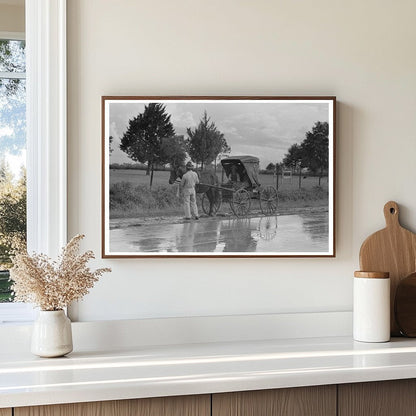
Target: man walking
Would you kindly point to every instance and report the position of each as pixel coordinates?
(188, 182)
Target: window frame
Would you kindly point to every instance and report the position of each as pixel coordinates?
(46, 125)
(12, 36)
(14, 312)
(46, 137)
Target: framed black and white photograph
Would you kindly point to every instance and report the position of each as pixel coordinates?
(218, 176)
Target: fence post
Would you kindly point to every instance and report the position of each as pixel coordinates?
(277, 176)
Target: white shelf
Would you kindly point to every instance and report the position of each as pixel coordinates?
(150, 371)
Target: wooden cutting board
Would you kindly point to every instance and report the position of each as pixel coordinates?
(393, 250)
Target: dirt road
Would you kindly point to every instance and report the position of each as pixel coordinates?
(304, 232)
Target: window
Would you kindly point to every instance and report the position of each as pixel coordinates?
(12, 154)
(12, 165)
(45, 134)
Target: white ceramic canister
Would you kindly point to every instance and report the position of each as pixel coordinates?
(371, 322)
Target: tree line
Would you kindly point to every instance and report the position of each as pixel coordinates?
(151, 139)
(311, 153)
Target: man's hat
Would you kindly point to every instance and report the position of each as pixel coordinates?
(189, 165)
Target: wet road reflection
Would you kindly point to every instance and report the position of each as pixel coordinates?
(287, 233)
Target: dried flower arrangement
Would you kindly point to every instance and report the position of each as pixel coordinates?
(53, 285)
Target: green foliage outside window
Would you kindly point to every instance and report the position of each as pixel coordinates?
(12, 145)
(12, 223)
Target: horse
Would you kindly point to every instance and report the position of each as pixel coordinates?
(208, 181)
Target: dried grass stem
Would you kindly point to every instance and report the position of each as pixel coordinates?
(53, 285)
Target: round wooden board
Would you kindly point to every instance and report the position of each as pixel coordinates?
(405, 306)
(393, 250)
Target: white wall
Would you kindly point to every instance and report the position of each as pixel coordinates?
(361, 51)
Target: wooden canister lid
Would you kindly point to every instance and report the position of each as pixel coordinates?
(372, 275)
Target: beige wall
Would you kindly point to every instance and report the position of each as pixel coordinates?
(361, 51)
(12, 18)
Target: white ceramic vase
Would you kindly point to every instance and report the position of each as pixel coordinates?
(52, 334)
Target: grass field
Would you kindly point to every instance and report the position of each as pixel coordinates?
(138, 177)
(131, 197)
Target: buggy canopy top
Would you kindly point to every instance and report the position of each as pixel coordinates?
(248, 165)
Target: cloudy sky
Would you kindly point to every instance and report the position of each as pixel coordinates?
(265, 130)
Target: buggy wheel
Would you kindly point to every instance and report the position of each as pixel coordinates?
(206, 205)
(240, 203)
(268, 200)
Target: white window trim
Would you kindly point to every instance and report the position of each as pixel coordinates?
(46, 125)
(46, 133)
(13, 75)
(12, 35)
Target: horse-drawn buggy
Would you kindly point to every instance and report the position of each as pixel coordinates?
(239, 186)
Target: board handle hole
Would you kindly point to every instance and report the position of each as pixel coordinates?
(392, 211)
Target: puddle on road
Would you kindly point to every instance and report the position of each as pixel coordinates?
(304, 233)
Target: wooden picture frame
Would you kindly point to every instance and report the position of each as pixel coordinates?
(265, 166)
